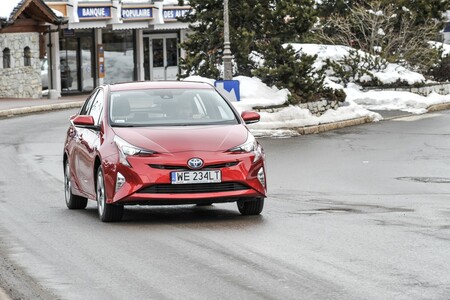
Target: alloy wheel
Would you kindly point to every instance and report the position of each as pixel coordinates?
(67, 184)
(101, 199)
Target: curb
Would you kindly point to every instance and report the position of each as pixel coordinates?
(438, 107)
(40, 108)
(331, 126)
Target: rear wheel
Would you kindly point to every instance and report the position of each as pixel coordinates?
(72, 201)
(251, 206)
(107, 212)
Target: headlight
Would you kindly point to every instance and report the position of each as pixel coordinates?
(250, 145)
(126, 149)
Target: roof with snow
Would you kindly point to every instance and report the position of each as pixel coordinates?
(7, 7)
(10, 10)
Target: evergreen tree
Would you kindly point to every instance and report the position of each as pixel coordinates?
(204, 46)
(341, 7)
(253, 24)
(285, 68)
(258, 27)
(424, 10)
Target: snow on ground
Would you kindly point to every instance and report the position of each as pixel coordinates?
(255, 93)
(394, 100)
(358, 103)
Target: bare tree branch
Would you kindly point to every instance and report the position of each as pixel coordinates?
(384, 31)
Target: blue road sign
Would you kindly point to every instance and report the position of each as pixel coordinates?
(230, 88)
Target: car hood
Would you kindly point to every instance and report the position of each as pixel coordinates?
(184, 138)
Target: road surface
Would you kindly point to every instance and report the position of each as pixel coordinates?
(357, 213)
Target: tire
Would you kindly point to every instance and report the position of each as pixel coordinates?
(72, 201)
(107, 212)
(251, 206)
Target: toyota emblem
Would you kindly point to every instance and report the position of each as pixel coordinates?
(195, 163)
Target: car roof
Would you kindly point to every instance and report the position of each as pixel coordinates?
(143, 85)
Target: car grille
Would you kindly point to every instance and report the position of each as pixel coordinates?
(193, 188)
(185, 168)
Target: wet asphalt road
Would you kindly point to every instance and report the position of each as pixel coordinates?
(357, 213)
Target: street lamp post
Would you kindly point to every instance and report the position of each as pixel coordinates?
(227, 67)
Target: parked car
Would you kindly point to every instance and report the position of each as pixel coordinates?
(157, 143)
(66, 76)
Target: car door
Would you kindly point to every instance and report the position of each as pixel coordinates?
(74, 142)
(89, 141)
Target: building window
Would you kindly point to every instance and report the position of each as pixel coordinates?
(27, 56)
(119, 56)
(6, 58)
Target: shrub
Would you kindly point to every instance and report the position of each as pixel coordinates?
(441, 72)
(285, 68)
(355, 67)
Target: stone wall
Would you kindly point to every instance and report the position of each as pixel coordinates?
(20, 81)
(316, 108)
(438, 88)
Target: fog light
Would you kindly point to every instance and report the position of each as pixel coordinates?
(261, 177)
(120, 181)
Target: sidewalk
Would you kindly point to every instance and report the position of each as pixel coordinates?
(12, 107)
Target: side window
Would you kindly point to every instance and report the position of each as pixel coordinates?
(172, 52)
(87, 105)
(97, 106)
(26, 56)
(6, 58)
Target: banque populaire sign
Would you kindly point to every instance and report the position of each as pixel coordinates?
(136, 13)
(94, 12)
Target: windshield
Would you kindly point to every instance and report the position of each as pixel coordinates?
(169, 107)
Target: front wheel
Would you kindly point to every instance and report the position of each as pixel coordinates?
(107, 212)
(72, 201)
(251, 206)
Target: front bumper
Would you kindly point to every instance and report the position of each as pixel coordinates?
(147, 181)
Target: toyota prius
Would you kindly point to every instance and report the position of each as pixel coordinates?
(162, 143)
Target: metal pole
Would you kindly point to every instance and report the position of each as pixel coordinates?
(227, 67)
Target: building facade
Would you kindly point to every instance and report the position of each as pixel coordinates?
(113, 41)
(22, 29)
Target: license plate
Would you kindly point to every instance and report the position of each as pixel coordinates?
(187, 177)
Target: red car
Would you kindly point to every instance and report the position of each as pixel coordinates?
(158, 143)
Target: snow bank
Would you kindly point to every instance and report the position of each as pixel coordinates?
(358, 103)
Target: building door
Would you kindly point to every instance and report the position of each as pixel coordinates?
(76, 61)
(161, 57)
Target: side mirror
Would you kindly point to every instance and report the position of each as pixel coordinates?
(250, 117)
(85, 122)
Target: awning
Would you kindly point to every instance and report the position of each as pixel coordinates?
(171, 26)
(130, 25)
(87, 25)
